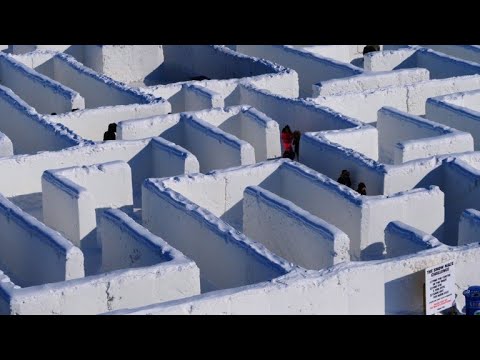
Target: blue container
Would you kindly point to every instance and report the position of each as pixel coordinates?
(472, 299)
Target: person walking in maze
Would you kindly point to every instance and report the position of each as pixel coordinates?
(287, 139)
(362, 189)
(110, 134)
(344, 178)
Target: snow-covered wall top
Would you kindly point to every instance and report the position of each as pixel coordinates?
(409, 98)
(20, 122)
(291, 232)
(106, 292)
(391, 286)
(98, 90)
(31, 252)
(439, 65)
(370, 81)
(404, 137)
(92, 123)
(299, 114)
(402, 239)
(40, 91)
(199, 234)
(310, 67)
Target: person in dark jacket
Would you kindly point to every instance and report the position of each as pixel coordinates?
(344, 178)
(362, 189)
(110, 134)
(296, 143)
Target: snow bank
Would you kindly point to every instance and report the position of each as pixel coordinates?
(32, 253)
(290, 232)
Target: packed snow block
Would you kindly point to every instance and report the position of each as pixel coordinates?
(126, 244)
(469, 226)
(169, 159)
(292, 233)
(173, 93)
(41, 92)
(6, 146)
(409, 207)
(67, 208)
(343, 291)
(412, 174)
(419, 93)
(29, 131)
(362, 218)
(169, 127)
(364, 106)
(84, 191)
(262, 132)
(221, 191)
(462, 191)
(249, 124)
(404, 137)
(92, 123)
(311, 68)
(199, 98)
(451, 110)
(203, 139)
(342, 53)
(370, 81)
(98, 90)
(126, 63)
(330, 158)
(32, 253)
(402, 239)
(390, 60)
(111, 291)
(199, 234)
(21, 175)
(362, 139)
(299, 114)
(465, 52)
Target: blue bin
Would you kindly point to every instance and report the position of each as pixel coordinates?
(472, 299)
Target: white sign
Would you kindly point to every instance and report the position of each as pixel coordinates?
(439, 287)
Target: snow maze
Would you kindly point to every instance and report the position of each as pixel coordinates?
(192, 209)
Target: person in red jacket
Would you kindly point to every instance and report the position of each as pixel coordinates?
(287, 138)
